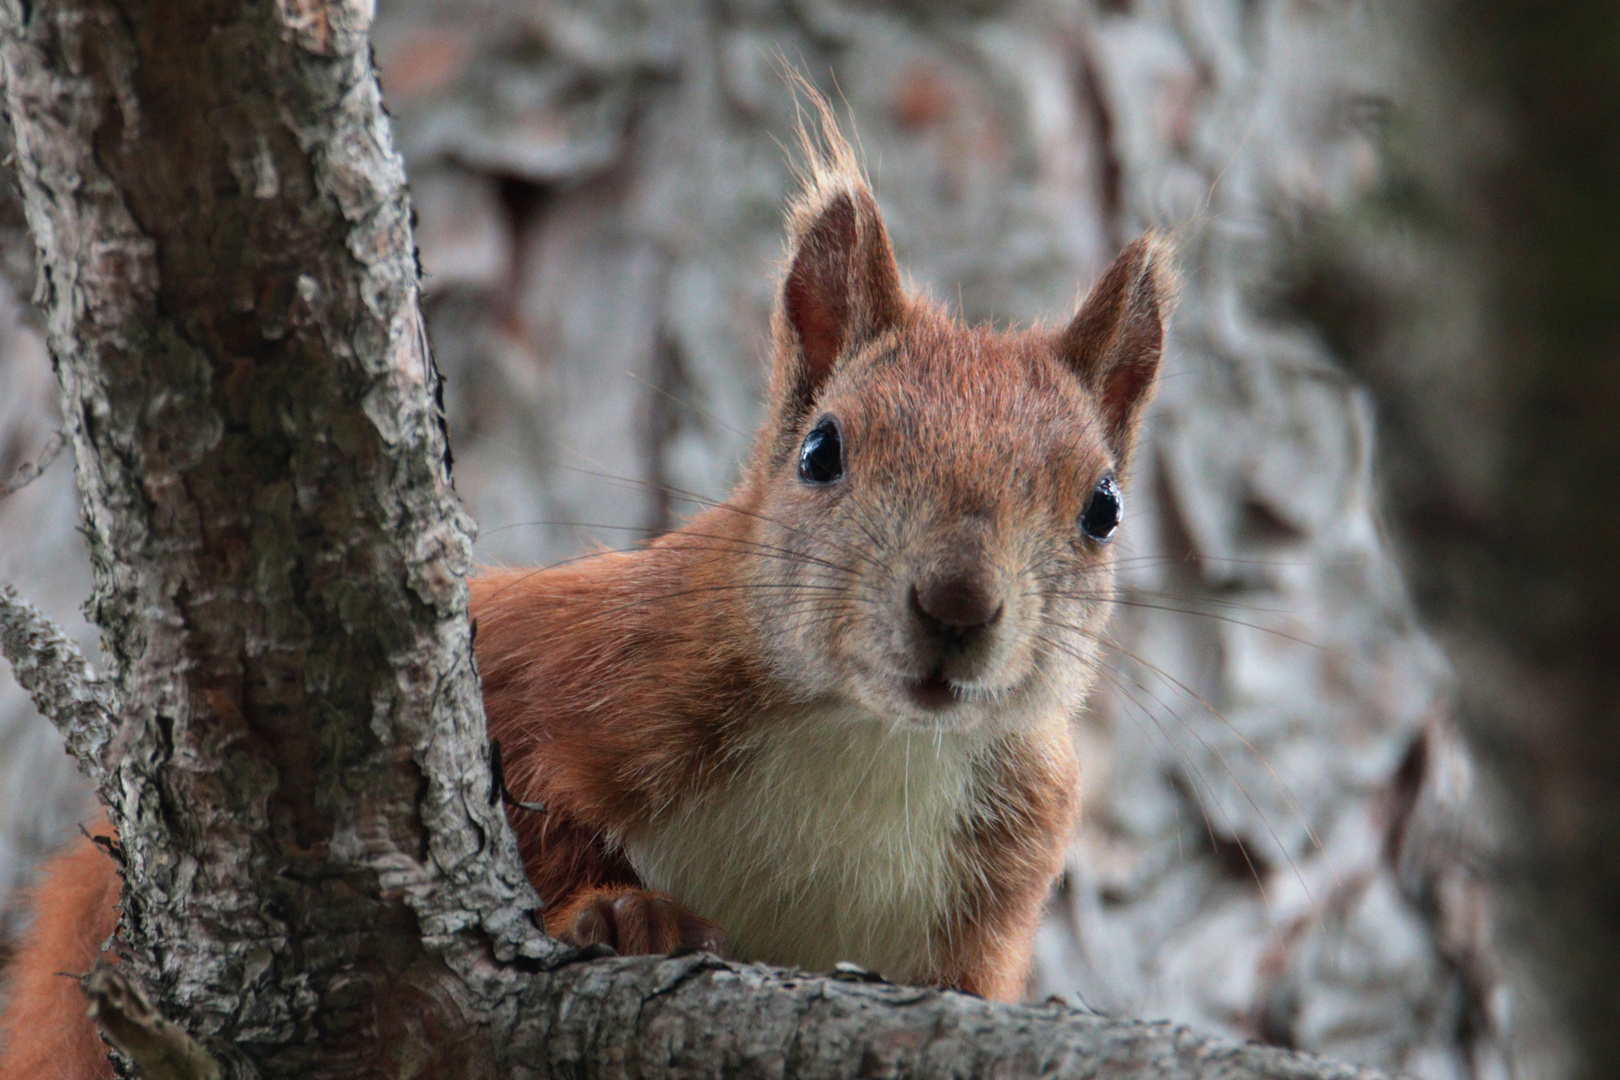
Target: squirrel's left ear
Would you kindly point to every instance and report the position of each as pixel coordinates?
(1116, 339)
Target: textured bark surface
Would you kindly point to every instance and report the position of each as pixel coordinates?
(50, 667)
(599, 188)
(229, 289)
(695, 1016)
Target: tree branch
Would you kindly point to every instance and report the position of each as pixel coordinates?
(698, 1017)
(48, 664)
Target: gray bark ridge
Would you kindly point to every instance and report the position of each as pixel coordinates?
(319, 882)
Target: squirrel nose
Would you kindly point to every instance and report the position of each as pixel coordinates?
(958, 602)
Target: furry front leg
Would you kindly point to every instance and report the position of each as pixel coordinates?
(633, 922)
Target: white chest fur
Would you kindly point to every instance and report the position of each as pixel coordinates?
(840, 839)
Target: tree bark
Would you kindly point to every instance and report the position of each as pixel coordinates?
(230, 290)
(319, 879)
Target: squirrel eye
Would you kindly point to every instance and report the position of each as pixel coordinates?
(1102, 514)
(821, 458)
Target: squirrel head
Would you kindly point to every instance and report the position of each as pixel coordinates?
(934, 502)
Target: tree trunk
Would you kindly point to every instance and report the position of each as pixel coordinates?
(298, 769)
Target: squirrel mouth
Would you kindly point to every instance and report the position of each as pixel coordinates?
(934, 692)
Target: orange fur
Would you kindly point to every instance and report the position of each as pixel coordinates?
(721, 723)
(45, 1029)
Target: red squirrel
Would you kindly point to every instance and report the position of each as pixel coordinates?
(830, 718)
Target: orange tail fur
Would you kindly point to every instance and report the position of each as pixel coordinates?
(45, 1029)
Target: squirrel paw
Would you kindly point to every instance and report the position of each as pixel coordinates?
(633, 922)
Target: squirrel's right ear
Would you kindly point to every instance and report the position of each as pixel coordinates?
(842, 288)
(1116, 339)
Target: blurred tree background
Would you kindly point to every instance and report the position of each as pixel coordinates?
(1398, 233)
(1501, 455)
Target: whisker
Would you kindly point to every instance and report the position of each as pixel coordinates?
(821, 596)
(1265, 762)
(686, 404)
(1213, 601)
(1124, 602)
(1191, 558)
(715, 504)
(1123, 593)
(733, 545)
(1097, 671)
(1220, 756)
(739, 541)
(1197, 774)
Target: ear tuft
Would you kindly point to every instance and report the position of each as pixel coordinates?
(842, 286)
(1115, 341)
